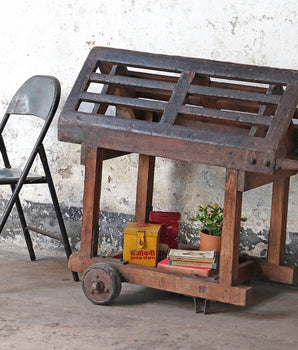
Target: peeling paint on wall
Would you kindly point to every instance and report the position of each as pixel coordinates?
(111, 232)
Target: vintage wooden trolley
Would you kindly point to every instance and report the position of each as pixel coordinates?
(240, 117)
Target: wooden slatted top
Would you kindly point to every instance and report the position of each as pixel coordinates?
(211, 112)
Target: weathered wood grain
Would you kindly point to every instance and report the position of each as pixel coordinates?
(201, 66)
(283, 116)
(182, 284)
(229, 255)
(279, 273)
(213, 149)
(196, 110)
(177, 99)
(266, 110)
(278, 223)
(92, 189)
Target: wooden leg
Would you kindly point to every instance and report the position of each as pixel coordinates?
(144, 188)
(229, 256)
(92, 189)
(274, 268)
(278, 223)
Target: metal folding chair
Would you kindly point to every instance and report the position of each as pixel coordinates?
(38, 96)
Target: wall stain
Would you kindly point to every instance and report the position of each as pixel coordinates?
(111, 230)
(65, 173)
(234, 24)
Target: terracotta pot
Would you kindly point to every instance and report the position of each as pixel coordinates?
(208, 242)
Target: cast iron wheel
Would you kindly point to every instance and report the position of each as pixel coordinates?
(101, 284)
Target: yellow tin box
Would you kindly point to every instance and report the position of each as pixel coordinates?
(141, 243)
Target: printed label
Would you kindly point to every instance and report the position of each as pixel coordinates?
(142, 254)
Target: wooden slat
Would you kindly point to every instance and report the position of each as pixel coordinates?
(107, 89)
(201, 66)
(240, 142)
(272, 91)
(266, 110)
(283, 116)
(127, 113)
(233, 94)
(213, 148)
(163, 77)
(178, 96)
(229, 255)
(193, 89)
(199, 100)
(214, 114)
(246, 118)
(123, 101)
(112, 89)
(224, 104)
(130, 81)
(218, 84)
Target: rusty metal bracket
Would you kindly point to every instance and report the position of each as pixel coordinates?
(203, 305)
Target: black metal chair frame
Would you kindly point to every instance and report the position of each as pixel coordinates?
(38, 96)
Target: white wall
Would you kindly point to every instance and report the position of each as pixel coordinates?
(54, 37)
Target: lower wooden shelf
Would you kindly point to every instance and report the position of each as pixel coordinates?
(192, 285)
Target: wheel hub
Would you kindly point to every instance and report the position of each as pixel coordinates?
(98, 286)
(101, 283)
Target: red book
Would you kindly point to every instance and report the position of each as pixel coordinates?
(186, 270)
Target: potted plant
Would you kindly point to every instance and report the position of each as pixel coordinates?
(211, 218)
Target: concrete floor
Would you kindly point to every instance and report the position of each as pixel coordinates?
(42, 308)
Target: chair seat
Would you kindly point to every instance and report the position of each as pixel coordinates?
(12, 176)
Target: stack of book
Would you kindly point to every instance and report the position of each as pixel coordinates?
(202, 263)
(195, 258)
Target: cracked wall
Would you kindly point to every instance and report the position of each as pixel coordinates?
(54, 37)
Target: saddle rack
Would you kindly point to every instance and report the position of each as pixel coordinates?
(240, 117)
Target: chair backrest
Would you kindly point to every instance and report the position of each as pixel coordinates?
(38, 96)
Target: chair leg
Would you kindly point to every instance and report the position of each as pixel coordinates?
(16, 200)
(52, 190)
(24, 227)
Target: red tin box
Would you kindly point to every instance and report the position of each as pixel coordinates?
(169, 222)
